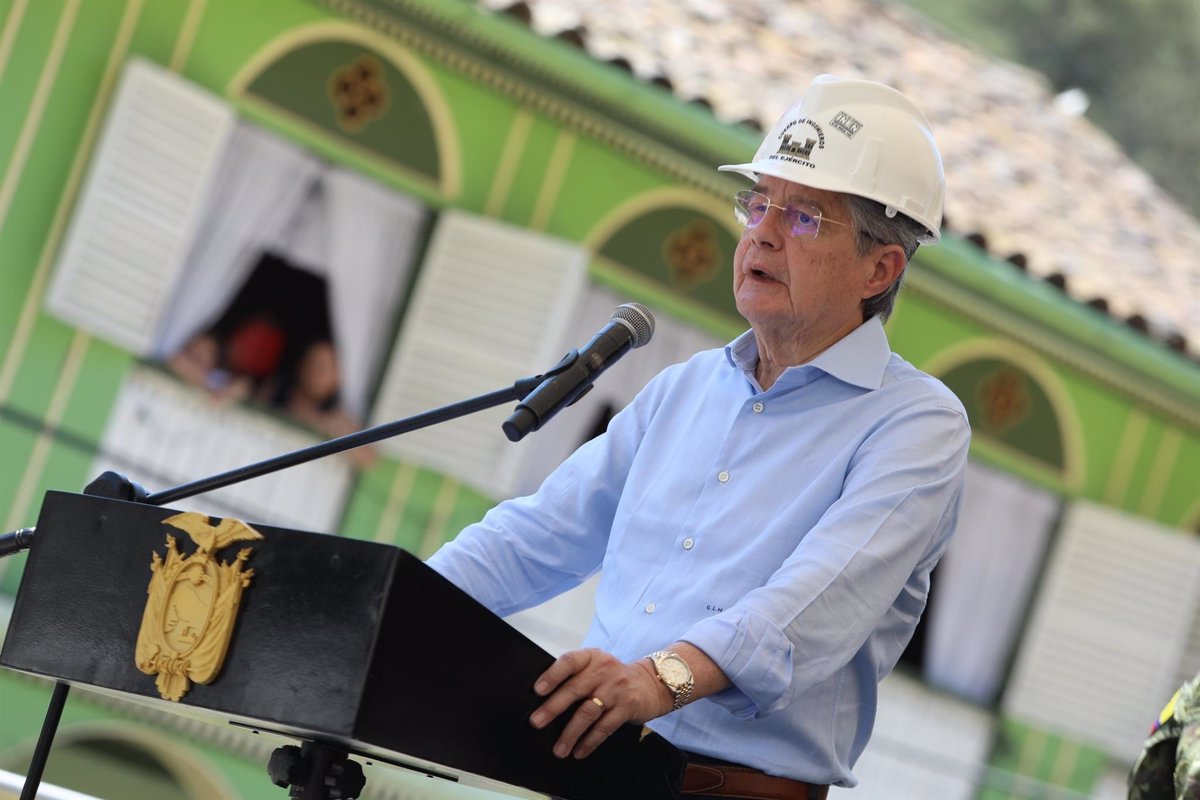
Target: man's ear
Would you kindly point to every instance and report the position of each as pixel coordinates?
(889, 264)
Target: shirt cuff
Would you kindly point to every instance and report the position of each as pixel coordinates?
(754, 654)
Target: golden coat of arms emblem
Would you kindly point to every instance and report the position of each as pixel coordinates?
(192, 604)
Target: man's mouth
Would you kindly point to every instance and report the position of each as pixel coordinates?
(761, 275)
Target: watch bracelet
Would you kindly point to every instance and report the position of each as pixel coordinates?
(680, 696)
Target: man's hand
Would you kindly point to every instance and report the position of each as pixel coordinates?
(627, 693)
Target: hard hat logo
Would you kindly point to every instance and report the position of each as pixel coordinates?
(791, 148)
(846, 124)
(798, 143)
(880, 147)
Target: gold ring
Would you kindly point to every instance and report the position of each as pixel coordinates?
(598, 702)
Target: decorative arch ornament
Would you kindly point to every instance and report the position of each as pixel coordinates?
(675, 240)
(1019, 407)
(362, 91)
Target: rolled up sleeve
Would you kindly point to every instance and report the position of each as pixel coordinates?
(863, 568)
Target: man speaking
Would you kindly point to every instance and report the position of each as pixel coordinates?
(766, 515)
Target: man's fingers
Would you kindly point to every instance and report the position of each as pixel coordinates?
(565, 696)
(600, 730)
(564, 667)
(585, 717)
(598, 687)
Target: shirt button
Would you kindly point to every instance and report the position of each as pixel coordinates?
(688, 543)
(758, 408)
(723, 476)
(650, 608)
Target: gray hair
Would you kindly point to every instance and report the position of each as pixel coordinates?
(872, 227)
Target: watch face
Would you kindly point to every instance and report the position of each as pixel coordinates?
(673, 671)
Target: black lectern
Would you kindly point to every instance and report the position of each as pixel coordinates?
(328, 639)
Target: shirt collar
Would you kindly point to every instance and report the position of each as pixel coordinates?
(858, 358)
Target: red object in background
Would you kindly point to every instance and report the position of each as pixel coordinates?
(255, 348)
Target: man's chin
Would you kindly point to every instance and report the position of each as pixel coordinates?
(759, 304)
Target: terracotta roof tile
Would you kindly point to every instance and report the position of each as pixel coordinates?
(1031, 178)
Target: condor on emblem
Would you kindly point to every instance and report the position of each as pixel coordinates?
(192, 604)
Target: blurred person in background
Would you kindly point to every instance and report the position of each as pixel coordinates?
(1168, 767)
(309, 393)
(234, 365)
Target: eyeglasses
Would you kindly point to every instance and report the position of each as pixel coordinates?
(751, 208)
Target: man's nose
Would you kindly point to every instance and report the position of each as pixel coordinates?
(769, 233)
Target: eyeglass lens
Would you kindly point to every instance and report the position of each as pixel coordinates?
(752, 207)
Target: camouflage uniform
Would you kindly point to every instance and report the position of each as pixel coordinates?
(1169, 765)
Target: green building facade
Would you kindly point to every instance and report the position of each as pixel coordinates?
(470, 115)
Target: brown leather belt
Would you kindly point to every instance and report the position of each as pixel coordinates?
(728, 780)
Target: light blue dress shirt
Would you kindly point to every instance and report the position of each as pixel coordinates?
(787, 533)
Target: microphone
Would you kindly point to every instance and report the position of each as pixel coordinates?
(15, 541)
(631, 326)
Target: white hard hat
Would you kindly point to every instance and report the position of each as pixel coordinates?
(857, 137)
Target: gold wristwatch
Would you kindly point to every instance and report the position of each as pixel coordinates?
(675, 674)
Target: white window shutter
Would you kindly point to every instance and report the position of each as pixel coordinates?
(491, 305)
(139, 206)
(1111, 623)
(925, 743)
